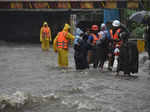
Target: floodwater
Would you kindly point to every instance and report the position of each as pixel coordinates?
(31, 81)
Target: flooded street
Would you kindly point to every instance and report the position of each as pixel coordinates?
(26, 69)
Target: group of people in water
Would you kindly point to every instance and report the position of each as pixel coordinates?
(95, 46)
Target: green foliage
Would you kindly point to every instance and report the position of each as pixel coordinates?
(138, 31)
(129, 12)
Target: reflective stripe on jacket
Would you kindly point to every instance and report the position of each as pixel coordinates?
(116, 35)
(45, 32)
(95, 38)
(62, 42)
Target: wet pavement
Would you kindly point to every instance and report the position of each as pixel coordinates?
(35, 74)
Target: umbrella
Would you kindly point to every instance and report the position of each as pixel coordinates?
(140, 16)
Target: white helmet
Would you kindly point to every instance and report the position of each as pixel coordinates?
(103, 25)
(116, 23)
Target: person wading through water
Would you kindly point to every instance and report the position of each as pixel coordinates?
(102, 47)
(60, 45)
(92, 38)
(81, 50)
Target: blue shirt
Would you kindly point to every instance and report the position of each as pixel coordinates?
(90, 37)
(76, 40)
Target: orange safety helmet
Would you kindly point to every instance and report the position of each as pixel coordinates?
(94, 28)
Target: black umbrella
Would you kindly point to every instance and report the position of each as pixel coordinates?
(140, 16)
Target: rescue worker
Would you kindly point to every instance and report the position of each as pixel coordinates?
(92, 38)
(60, 45)
(115, 36)
(115, 32)
(45, 36)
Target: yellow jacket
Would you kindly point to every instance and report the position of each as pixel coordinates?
(69, 36)
(49, 38)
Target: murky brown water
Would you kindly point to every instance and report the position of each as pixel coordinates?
(25, 68)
